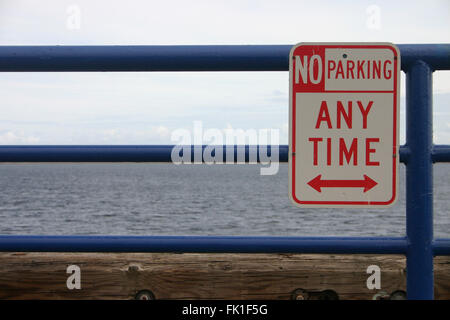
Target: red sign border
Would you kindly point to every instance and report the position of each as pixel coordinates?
(395, 149)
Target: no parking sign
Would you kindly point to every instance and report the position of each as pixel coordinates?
(344, 123)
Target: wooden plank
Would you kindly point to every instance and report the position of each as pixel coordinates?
(203, 276)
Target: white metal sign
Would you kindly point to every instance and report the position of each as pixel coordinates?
(343, 120)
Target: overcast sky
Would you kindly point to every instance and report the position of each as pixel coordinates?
(144, 108)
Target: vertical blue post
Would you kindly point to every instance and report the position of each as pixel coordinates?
(419, 180)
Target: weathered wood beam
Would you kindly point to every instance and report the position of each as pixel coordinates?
(204, 276)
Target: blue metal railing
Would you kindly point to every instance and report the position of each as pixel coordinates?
(419, 153)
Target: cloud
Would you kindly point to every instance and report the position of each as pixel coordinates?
(140, 135)
(11, 138)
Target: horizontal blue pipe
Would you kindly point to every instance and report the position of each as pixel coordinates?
(129, 153)
(148, 153)
(182, 58)
(441, 247)
(437, 56)
(441, 153)
(202, 244)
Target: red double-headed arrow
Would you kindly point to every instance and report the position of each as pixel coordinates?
(317, 183)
